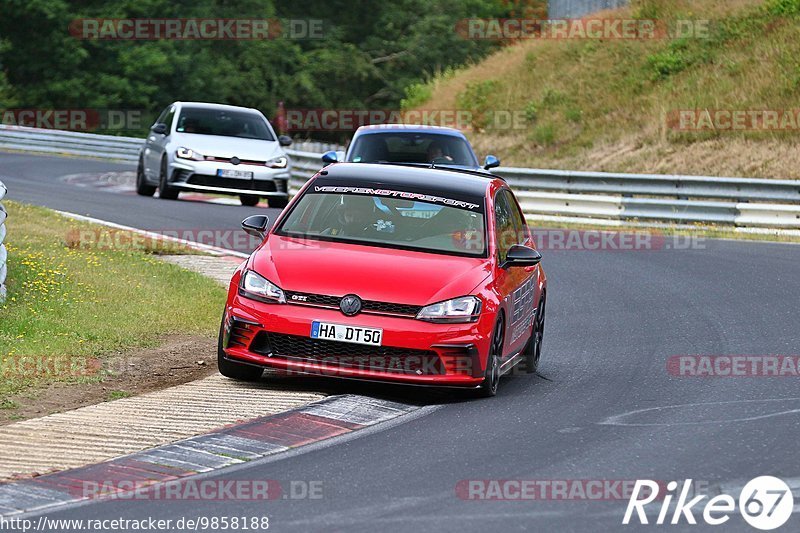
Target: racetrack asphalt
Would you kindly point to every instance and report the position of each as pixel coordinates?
(605, 406)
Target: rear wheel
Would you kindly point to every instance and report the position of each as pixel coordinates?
(278, 201)
(232, 369)
(491, 380)
(164, 189)
(249, 200)
(533, 351)
(142, 188)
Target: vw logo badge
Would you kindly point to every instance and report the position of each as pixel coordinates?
(350, 305)
(235, 160)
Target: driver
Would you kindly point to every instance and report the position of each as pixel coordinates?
(354, 216)
(436, 153)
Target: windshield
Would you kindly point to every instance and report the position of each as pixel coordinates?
(408, 147)
(381, 218)
(242, 124)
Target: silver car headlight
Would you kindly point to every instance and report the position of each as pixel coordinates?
(278, 162)
(188, 153)
(463, 309)
(259, 288)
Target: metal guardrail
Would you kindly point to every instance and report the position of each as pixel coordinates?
(3, 251)
(621, 198)
(70, 142)
(635, 198)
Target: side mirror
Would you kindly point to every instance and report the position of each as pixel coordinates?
(285, 140)
(491, 162)
(159, 128)
(522, 256)
(330, 157)
(256, 225)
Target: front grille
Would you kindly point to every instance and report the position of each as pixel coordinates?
(368, 306)
(215, 181)
(348, 355)
(241, 161)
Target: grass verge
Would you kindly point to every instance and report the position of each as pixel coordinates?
(69, 306)
(609, 105)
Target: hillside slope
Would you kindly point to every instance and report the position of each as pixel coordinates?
(611, 105)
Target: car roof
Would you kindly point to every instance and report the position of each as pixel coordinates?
(438, 180)
(408, 128)
(209, 105)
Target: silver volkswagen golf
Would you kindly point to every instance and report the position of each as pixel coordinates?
(214, 148)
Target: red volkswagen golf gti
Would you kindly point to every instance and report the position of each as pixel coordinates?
(390, 273)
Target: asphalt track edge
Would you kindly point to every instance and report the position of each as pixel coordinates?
(327, 422)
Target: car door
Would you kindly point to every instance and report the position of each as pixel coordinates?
(517, 284)
(156, 143)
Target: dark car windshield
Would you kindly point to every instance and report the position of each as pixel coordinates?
(242, 124)
(409, 147)
(390, 219)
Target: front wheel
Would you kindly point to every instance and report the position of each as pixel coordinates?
(234, 370)
(278, 201)
(249, 200)
(164, 189)
(142, 187)
(491, 380)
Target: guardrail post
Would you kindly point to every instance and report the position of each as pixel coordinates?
(3, 252)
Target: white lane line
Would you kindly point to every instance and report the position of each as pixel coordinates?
(618, 420)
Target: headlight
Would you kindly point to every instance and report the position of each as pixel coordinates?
(278, 162)
(188, 153)
(464, 309)
(259, 288)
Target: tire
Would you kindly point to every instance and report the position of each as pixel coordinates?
(533, 350)
(249, 200)
(164, 190)
(491, 380)
(142, 188)
(234, 370)
(278, 201)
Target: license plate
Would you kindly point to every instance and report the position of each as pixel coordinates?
(342, 333)
(240, 174)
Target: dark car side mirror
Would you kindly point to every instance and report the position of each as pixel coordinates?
(159, 127)
(256, 225)
(491, 162)
(522, 256)
(330, 157)
(285, 140)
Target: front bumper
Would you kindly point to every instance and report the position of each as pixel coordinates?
(412, 351)
(201, 176)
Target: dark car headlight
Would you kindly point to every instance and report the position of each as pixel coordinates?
(278, 162)
(188, 153)
(259, 288)
(457, 310)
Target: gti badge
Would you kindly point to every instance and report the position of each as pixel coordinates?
(350, 305)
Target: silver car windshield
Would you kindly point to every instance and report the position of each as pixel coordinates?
(224, 123)
(387, 222)
(409, 147)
